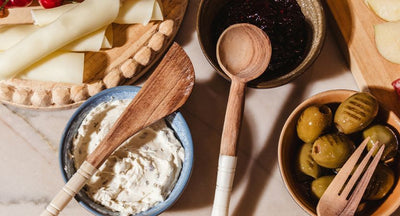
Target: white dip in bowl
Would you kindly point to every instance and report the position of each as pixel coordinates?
(141, 173)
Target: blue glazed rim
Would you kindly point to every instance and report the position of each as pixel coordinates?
(174, 120)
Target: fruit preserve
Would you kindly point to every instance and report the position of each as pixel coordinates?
(282, 20)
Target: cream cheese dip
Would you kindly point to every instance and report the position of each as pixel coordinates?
(140, 173)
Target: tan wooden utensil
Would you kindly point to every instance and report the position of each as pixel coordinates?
(164, 92)
(243, 52)
(340, 198)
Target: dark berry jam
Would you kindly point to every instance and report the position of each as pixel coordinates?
(284, 23)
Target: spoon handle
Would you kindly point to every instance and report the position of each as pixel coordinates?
(77, 181)
(227, 157)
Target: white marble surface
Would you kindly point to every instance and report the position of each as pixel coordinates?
(30, 174)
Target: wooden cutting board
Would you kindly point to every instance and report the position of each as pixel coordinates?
(354, 23)
(136, 48)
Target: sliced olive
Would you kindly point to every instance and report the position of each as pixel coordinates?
(319, 185)
(332, 150)
(383, 135)
(381, 182)
(306, 163)
(313, 121)
(356, 113)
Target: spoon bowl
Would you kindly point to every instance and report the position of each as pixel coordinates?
(243, 51)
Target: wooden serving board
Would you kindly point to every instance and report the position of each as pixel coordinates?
(354, 23)
(135, 50)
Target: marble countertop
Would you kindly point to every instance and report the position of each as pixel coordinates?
(30, 174)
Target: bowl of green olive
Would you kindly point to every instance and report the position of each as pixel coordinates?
(319, 136)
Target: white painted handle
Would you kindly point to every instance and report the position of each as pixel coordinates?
(226, 173)
(69, 190)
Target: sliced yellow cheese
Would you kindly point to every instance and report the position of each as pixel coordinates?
(87, 17)
(11, 35)
(132, 11)
(388, 10)
(387, 39)
(57, 67)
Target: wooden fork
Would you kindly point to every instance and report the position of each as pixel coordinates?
(336, 199)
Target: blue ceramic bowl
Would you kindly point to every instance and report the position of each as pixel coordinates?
(175, 121)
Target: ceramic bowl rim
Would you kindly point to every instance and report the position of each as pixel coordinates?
(175, 121)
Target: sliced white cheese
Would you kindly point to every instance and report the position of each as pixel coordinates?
(90, 42)
(387, 39)
(388, 10)
(87, 17)
(135, 11)
(57, 67)
(42, 17)
(11, 35)
(157, 11)
(132, 11)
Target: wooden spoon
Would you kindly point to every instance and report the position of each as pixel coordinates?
(164, 92)
(243, 52)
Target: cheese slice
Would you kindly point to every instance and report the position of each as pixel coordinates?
(131, 12)
(157, 11)
(389, 10)
(11, 35)
(87, 17)
(91, 42)
(42, 17)
(138, 11)
(63, 67)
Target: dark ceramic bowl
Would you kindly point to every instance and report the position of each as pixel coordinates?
(175, 121)
(289, 146)
(315, 17)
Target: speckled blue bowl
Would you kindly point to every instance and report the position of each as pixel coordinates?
(175, 121)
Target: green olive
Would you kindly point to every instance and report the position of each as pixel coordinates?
(356, 112)
(384, 135)
(332, 150)
(319, 185)
(306, 163)
(313, 121)
(381, 182)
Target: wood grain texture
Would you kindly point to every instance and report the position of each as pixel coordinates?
(355, 28)
(233, 118)
(136, 49)
(165, 91)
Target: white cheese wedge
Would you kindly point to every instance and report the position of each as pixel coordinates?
(157, 11)
(131, 12)
(387, 39)
(87, 17)
(388, 10)
(57, 67)
(11, 35)
(108, 38)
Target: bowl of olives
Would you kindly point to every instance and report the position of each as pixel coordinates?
(320, 135)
